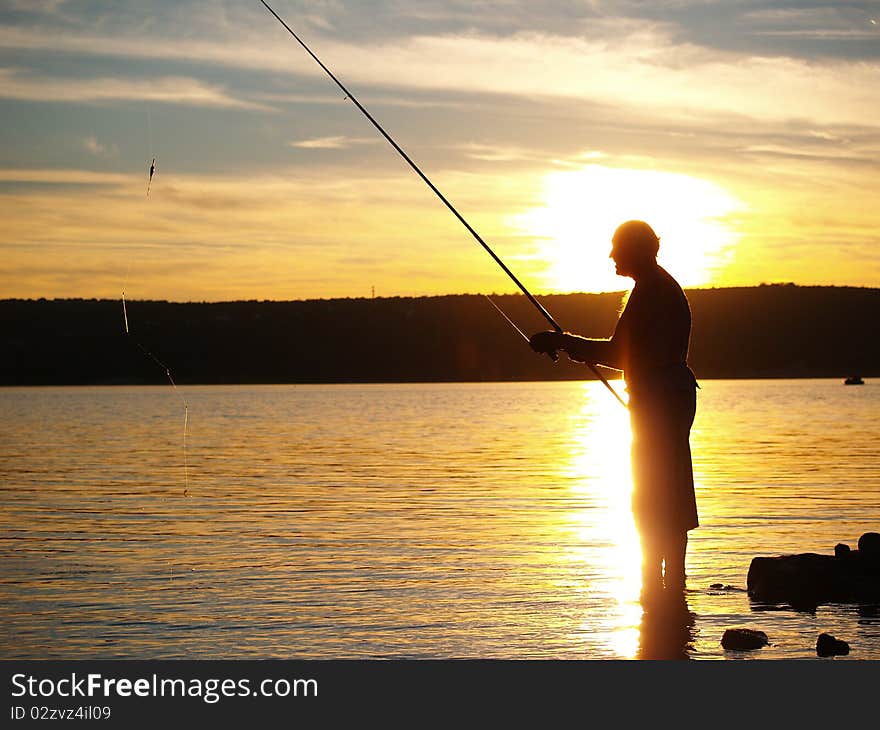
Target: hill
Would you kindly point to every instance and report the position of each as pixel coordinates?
(750, 332)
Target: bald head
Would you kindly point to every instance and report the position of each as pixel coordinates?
(634, 248)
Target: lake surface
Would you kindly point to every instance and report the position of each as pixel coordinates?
(418, 520)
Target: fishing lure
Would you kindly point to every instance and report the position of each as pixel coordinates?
(152, 171)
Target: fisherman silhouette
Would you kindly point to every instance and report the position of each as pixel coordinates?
(650, 346)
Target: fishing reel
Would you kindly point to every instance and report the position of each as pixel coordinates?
(546, 343)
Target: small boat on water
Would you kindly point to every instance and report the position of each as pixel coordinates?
(854, 380)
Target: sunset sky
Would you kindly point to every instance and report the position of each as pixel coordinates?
(746, 132)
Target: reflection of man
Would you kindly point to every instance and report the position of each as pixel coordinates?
(667, 630)
(650, 345)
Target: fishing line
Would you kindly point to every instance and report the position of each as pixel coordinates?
(170, 377)
(150, 152)
(143, 349)
(509, 320)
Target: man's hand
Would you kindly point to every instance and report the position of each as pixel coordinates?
(547, 343)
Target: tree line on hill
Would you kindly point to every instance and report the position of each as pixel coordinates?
(748, 332)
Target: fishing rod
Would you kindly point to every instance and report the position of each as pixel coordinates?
(417, 170)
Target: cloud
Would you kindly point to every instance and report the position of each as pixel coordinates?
(282, 234)
(497, 153)
(45, 7)
(830, 21)
(62, 177)
(487, 101)
(802, 152)
(330, 143)
(14, 84)
(416, 102)
(645, 70)
(822, 33)
(92, 145)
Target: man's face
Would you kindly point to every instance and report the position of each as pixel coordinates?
(621, 258)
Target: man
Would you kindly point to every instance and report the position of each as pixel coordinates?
(650, 345)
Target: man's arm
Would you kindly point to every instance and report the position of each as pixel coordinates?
(601, 352)
(579, 349)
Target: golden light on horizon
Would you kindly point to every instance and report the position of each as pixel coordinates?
(583, 207)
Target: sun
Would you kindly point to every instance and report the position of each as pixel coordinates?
(582, 208)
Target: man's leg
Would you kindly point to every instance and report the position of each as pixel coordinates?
(674, 554)
(652, 565)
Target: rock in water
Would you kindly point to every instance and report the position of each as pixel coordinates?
(869, 548)
(827, 645)
(743, 639)
(809, 579)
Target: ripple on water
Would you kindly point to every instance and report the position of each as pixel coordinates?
(450, 520)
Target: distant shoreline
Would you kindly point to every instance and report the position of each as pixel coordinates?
(763, 332)
(362, 298)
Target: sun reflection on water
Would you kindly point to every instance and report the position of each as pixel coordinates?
(598, 467)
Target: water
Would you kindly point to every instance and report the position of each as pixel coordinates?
(438, 520)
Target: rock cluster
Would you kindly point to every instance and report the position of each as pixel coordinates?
(751, 639)
(809, 579)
